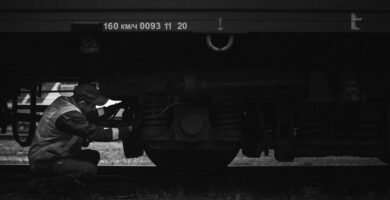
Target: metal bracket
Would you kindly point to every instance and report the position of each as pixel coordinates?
(32, 118)
(228, 45)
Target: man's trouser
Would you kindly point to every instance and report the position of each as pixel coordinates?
(82, 165)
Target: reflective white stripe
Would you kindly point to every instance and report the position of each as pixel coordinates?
(100, 111)
(115, 133)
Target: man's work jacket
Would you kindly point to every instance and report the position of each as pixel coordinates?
(62, 131)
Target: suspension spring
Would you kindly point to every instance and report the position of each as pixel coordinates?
(156, 120)
(227, 120)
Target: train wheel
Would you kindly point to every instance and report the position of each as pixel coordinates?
(191, 162)
(172, 145)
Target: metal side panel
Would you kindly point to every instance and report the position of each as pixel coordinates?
(195, 21)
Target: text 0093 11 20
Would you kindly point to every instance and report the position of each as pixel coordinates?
(146, 26)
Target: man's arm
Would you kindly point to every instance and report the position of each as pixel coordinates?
(75, 122)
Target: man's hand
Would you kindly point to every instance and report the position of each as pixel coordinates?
(125, 130)
(136, 122)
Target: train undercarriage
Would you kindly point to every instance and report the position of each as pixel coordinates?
(304, 84)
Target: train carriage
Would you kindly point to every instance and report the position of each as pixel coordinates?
(210, 78)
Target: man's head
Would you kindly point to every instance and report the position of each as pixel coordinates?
(87, 97)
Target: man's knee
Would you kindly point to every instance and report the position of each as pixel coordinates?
(90, 156)
(95, 157)
(88, 169)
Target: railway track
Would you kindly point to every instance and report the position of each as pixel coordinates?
(294, 174)
(231, 183)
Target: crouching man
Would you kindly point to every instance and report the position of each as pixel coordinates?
(56, 150)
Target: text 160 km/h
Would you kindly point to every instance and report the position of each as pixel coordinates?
(146, 26)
